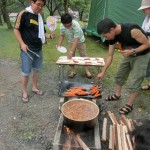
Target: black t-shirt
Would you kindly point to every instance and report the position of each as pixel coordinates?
(27, 24)
(125, 38)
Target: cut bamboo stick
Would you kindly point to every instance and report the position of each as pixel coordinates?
(104, 130)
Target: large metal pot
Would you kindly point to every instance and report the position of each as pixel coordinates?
(80, 114)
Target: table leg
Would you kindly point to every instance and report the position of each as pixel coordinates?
(61, 73)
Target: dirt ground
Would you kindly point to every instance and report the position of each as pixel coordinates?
(32, 126)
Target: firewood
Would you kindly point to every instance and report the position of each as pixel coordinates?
(111, 138)
(81, 142)
(75, 140)
(112, 117)
(114, 136)
(129, 125)
(132, 124)
(119, 137)
(67, 145)
(104, 130)
(124, 120)
(128, 138)
(123, 138)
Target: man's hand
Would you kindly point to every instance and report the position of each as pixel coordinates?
(126, 53)
(69, 56)
(100, 76)
(24, 47)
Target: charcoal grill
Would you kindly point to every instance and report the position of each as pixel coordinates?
(66, 85)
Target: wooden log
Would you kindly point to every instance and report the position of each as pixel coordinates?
(128, 138)
(124, 120)
(76, 144)
(114, 137)
(129, 125)
(119, 137)
(81, 142)
(111, 147)
(104, 130)
(113, 119)
(67, 144)
(132, 124)
(123, 138)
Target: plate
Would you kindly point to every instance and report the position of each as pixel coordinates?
(61, 49)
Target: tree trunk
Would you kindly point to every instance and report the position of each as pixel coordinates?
(5, 15)
(66, 6)
(1, 22)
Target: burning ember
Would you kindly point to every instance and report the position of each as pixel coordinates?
(73, 140)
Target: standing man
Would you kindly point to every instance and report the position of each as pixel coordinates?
(145, 7)
(76, 40)
(135, 52)
(30, 33)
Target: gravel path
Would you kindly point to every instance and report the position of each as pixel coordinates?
(32, 126)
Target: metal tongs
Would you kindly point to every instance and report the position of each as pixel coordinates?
(37, 55)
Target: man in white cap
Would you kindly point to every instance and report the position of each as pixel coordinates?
(145, 7)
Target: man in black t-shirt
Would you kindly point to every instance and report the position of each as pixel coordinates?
(135, 51)
(30, 33)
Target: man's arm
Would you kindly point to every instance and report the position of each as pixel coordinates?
(61, 38)
(107, 62)
(141, 38)
(24, 47)
(73, 47)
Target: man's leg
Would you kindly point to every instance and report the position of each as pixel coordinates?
(35, 77)
(87, 71)
(24, 80)
(132, 98)
(118, 89)
(37, 63)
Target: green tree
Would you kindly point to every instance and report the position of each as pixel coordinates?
(4, 4)
(82, 6)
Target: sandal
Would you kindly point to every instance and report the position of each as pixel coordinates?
(72, 75)
(25, 99)
(112, 97)
(125, 109)
(38, 92)
(145, 87)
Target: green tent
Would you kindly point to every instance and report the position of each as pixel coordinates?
(120, 11)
